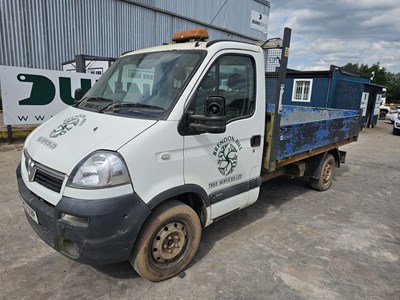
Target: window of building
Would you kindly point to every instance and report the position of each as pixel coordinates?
(302, 89)
(97, 71)
(148, 76)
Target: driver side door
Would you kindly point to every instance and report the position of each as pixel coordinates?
(226, 165)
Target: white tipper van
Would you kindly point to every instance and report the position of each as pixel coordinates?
(168, 140)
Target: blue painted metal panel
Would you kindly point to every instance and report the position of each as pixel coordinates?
(304, 129)
(292, 115)
(270, 108)
(346, 88)
(319, 92)
(330, 89)
(348, 94)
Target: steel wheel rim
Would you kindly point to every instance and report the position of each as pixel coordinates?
(169, 243)
(327, 173)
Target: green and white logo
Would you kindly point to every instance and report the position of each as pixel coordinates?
(34, 96)
(67, 125)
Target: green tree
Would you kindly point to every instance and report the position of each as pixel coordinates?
(352, 67)
(380, 73)
(393, 87)
(381, 77)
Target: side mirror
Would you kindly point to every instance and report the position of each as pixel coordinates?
(78, 95)
(214, 118)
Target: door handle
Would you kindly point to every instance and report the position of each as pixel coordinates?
(255, 140)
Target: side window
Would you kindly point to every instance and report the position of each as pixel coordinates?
(207, 87)
(231, 76)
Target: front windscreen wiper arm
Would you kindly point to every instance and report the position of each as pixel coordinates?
(93, 103)
(134, 105)
(98, 99)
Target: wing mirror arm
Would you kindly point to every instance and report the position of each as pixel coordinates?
(78, 95)
(214, 118)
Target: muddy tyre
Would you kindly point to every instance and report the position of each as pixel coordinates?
(167, 243)
(326, 175)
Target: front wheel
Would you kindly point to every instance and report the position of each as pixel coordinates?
(325, 176)
(396, 131)
(168, 242)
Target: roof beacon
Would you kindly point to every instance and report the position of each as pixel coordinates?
(192, 35)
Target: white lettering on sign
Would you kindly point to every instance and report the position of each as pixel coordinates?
(377, 104)
(259, 21)
(364, 103)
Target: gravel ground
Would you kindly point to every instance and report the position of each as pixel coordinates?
(293, 243)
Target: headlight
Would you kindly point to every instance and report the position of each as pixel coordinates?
(100, 169)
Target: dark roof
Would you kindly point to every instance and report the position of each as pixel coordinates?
(325, 73)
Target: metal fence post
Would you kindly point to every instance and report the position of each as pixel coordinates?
(80, 63)
(9, 134)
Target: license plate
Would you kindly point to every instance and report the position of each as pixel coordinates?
(30, 211)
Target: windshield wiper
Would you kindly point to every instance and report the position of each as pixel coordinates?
(93, 103)
(134, 105)
(98, 99)
(118, 108)
(90, 100)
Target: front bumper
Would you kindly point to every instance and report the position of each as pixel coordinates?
(112, 227)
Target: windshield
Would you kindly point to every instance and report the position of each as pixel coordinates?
(143, 85)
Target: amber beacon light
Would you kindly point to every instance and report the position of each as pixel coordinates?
(197, 34)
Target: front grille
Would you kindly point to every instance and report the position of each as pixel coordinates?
(47, 180)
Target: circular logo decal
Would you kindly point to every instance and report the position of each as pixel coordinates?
(226, 152)
(67, 125)
(227, 159)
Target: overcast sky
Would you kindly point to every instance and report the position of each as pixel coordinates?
(326, 32)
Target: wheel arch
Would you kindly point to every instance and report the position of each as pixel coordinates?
(192, 195)
(314, 164)
(336, 155)
(384, 109)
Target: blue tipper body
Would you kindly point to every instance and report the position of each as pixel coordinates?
(306, 128)
(332, 116)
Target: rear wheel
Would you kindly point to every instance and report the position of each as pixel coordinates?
(325, 176)
(382, 115)
(168, 242)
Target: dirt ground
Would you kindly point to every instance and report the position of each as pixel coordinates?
(293, 243)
